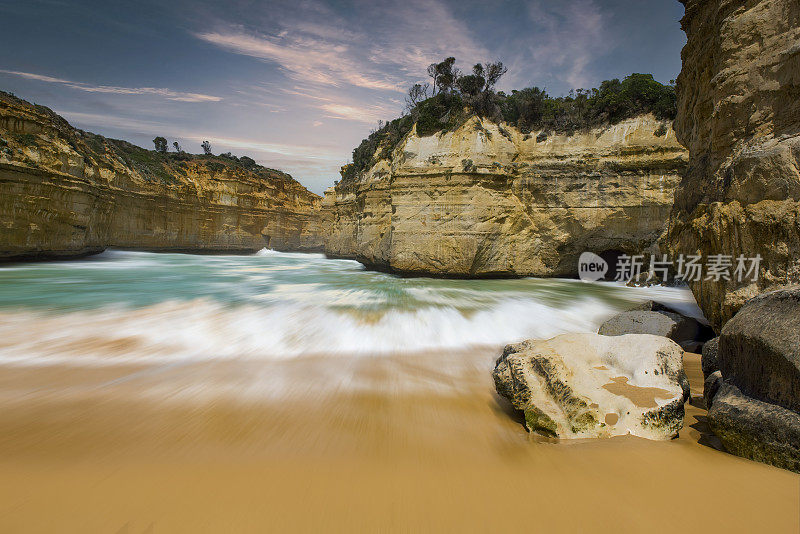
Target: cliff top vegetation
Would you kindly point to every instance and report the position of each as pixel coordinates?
(452, 97)
(160, 165)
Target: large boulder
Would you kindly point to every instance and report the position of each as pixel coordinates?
(759, 349)
(588, 385)
(660, 322)
(755, 398)
(757, 430)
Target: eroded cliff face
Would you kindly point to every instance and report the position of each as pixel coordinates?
(64, 192)
(488, 200)
(739, 116)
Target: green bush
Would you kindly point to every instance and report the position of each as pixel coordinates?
(438, 113)
(385, 138)
(612, 102)
(527, 109)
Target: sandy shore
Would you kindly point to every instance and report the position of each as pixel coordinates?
(341, 444)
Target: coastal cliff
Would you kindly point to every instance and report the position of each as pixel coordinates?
(486, 199)
(739, 116)
(65, 192)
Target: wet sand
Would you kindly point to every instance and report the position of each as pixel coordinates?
(391, 444)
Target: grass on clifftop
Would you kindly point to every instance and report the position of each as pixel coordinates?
(164, 167)
(455, 97)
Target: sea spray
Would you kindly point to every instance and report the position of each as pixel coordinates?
(136, 307)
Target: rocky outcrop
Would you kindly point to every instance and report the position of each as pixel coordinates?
(65, 192)
(754, 396)
(489, 200)
(588, 385)
(658, 323)
(708, 361)
(739, 116)
(757, 430)
(654, 318)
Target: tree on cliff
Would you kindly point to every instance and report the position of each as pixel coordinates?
(177, 146)
(416, 94)
(161, 144)
(477, 89)
(444, 75)
(455, 97)
(206, 148)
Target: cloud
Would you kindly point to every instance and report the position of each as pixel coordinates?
(562, 43)
(94, 120)
(307, 152)
(365, 114)
(315, 151)
(305, 58)
(415, 33)
(314, 46)
(169, 94)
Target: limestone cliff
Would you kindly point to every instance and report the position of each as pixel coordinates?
(739, 116)
(488, 200)
(65, 192)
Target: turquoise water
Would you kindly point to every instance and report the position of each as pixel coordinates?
(136, 305)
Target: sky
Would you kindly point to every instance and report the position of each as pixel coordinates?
(298, 84)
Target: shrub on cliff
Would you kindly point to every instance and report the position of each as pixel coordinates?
(456, 97)
(379, 144)
(614, 101)
(160, 144)
(437, 113)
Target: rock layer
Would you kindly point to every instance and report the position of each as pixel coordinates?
(588, 385)
(64, 192)
(739, 116)
(488, 200)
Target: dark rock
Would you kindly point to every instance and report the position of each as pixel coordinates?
(652, 305)
(710, 387)
(695, 346)
(759, 349)
(753, 429)
(752, 388)
(659, 323)
(644, 280)
(708, 361)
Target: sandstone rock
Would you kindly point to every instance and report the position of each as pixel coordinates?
(753, 429)
(524, 205)
(739, 116)
(683, 330)
(588, 385)
(64, 192)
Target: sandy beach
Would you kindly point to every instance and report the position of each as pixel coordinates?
(392, 444)
(320, 266)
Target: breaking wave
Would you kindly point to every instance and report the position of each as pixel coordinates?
(136, 307)
(206, 330)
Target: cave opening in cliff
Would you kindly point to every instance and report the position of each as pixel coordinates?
(611, 257)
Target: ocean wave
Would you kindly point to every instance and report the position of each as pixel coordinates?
(206, 330)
